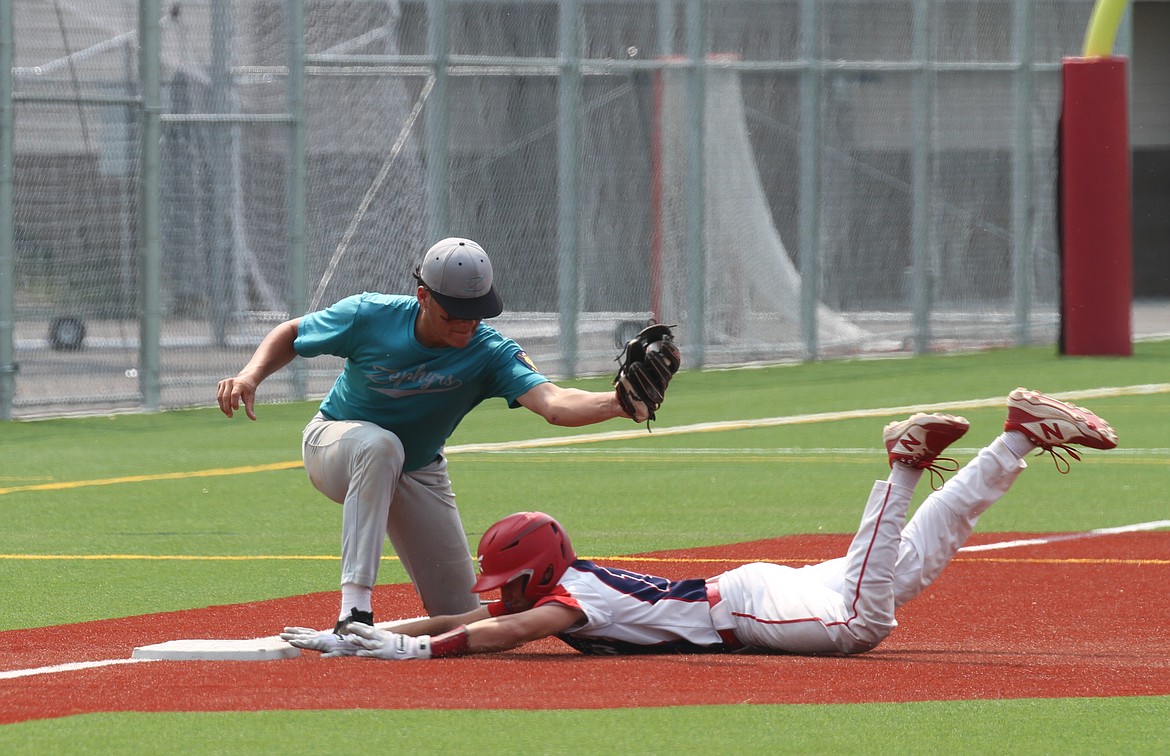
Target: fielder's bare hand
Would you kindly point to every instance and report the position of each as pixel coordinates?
(274, 352)
(233, 392)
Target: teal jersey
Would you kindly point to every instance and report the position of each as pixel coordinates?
(418, 393)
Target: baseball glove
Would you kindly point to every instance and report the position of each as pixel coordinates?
(647, 363)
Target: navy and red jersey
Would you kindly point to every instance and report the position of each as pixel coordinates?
(629, 612)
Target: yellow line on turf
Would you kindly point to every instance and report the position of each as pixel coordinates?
(589, 438)
(214, 472)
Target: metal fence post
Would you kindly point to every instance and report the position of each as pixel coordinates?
(810, 174)
(696, 202)
(149, 207)
(438, 205)
(922, 218)
(7, 233)
(568, 173)
(1022, 232)
(298, 274)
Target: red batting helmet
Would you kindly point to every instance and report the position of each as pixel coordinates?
(530, 544)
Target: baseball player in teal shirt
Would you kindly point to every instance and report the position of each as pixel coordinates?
(414, 367)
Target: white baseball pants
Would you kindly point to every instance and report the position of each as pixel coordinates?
(846, 605)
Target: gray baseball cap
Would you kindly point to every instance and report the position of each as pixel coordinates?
(458, 274)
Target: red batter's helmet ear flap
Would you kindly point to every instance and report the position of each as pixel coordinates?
(524, 544)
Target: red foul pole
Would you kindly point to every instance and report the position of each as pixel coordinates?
(1095, 209)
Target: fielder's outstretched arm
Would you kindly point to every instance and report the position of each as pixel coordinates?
(571, 407)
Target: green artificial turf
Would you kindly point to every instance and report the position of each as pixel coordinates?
(103, 514)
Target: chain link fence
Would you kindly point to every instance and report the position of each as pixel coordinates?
(785, 180)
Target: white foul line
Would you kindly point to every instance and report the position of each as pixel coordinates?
(72, 666)
(1155, 525)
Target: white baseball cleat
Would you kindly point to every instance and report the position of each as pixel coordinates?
(1052, 424)
(918, 441)
(1049, 422)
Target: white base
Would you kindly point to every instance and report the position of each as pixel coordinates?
(257, 649)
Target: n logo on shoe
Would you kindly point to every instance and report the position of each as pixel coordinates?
(1052, 431)
(911, 443)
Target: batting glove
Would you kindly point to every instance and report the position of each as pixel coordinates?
(324, 641)
(383, 644)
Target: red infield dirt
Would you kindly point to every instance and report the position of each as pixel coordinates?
(1083, 617)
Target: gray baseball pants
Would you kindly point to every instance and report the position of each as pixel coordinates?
(359, 465)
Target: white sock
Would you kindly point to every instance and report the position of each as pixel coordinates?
(1017, 443)
(904, 476)
(354, 596)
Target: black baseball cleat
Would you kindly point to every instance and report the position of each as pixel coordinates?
(355, 616)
